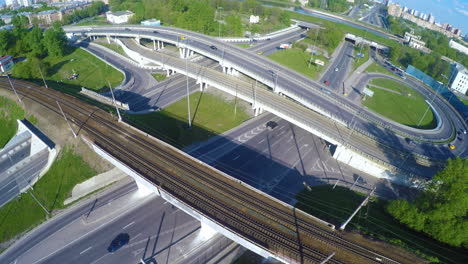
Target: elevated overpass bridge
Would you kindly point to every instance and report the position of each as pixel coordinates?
(370, 128)
(263, 224)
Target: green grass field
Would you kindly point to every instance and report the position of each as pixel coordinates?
(51, 190)
(115, 47)
(211, 116)
(374, 67)
(405, 109)
(10, 111)
(359, 61)
(243, 45)
(159, 77)
(298, 60)
(392, 85)
(336, 205)
(464, 101)
(92, 72)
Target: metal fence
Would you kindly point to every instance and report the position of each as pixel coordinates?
(441, 89)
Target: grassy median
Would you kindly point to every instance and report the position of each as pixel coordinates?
(298, 60)
(375, 67)
(407, 108)
(10, 111)
(336, 205)
(211, 115)
(24, 213)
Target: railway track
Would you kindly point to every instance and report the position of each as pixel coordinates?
(288, 232)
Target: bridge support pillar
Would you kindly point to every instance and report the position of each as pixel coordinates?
(154, 44)
(224, 69)
(258, 111)
(108, 39)
(137, 39)
(207, 231)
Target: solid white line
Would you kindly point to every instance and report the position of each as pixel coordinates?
(261, 141)
(85, 250)
(128, 225)
(236, 157)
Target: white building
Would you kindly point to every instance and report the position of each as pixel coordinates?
(119, 17)
(254, 19)
(460, 81)
(458, 46)
(11, 2)
(6, 62)
(431, 19)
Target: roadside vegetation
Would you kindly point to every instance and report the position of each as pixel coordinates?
(243, 45)
(212, 17)
(113, 46)
(375, 67)
(373, 220)
(10, 111)
(297, 59)
(159, 77)
(47, 54)
(336, 6)
(24, 213)
(406, 107)
(357, 60)
(171, 125)
(441, 210)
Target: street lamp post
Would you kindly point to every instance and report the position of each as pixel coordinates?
(12, 87)
(188, 92)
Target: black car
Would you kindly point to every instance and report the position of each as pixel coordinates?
(119, 241)
(271, 124)
(213, 47)
(409, 141)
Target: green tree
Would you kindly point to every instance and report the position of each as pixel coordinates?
(441, 209)
(55, 40)
(34, 41)
(6, 41)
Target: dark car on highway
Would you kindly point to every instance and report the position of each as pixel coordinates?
(271, 124)
(119, 241)
(213, 47)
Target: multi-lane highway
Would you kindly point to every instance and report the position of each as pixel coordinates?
(296, 86)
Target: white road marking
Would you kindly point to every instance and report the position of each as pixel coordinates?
(129, 225)
(85, 250)
(139, 234)
(236, 157)
(261, 141)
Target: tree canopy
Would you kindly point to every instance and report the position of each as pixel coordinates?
(55, 40)
(441, 209)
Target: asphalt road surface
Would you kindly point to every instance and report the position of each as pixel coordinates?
(158, 233)
(338, 71)
(278, 161)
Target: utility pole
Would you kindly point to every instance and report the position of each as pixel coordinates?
(235, 104)
(113, 100)
(45, 84)
(328, 258)
(276, 79)
(219, 23)
(64, 116)
(343, 226)
(12, 87)
(315, 42)
(188, 93)
(255, 93)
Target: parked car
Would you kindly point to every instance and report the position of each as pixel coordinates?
(326, 82)
(260, 52)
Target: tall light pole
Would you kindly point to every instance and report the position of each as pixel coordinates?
(315, 42)
(113, 100)
(188, 92)
(12, 87)
(219, 19)
(45, 84)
